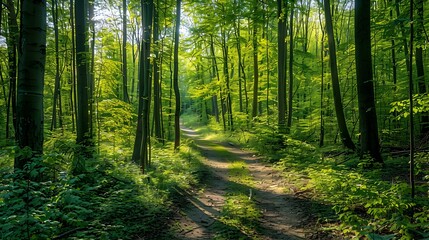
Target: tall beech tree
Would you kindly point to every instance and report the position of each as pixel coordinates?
(31, 67)
(291, 60)
(176, 78)
(83, 138)
(157, 63)
(255, 60)
(344, 133)
(369, 140)
(125, 96)
(56, 106)
(281, 67)
(141, 150)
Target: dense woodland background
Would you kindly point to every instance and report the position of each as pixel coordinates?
(93, 94)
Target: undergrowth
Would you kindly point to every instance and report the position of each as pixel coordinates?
(111, 200)
(239, 214)
(368, 201)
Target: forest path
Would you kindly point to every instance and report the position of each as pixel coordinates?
(282, 216)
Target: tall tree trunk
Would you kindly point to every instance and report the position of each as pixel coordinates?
(157, 110)
(32, 56)
(73, 94)
(228, 101)
(367, 113)
(404, 37)
(82, 72)
(240, 65)
(322, 83)
(410, 98)
(141, 143)
(291, 47)
(424, 119)
(255, 62)
(393, 54)
(342, 125)
(57, 88)
(176, 79)
(12, 42)
(82, 57)
(125, 96)
(216, 70)
(91, 74)
(267, 51)
(281, 38)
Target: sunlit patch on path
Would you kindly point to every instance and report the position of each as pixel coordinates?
(280, 216)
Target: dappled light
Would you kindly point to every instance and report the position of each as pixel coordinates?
(214, 119)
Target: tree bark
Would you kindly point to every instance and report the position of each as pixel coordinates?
(12, 42)
(176, 79)
(82, 59)
(255, 62)
(281, 44)
(57, 88)
(342, 125)
(367, 113)
(157, 110)
(291, 49)
(125, 96)
(82, 55)
(141, 143)
(424, 118)
(32, 56)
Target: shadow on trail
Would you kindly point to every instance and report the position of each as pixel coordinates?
(283, 216)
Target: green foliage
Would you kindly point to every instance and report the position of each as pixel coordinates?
(364, 205)
(402, 108)
(113, 200)
(368, 200)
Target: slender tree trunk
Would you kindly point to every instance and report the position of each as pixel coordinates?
(281, 38)
(57, 88)
(32, 56)
(267, 51)
(404, 37)
(125, 96)
(176, 79)
(141, 143)
(91, 74)
(342, 125)
(157, 110)
(82, 58)
(322, 83)
(12, 42)
(410, 98)
(367, 112)
(82, 72)
(170, 102)
(238, 45)
(291, 47)
(73, 95)
(393, 54)
(216, 70)
(228, 100)
(424, 118)
(255, 63)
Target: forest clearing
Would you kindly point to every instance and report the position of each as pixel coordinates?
(214, 119)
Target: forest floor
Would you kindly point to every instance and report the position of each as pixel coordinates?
(207, 212)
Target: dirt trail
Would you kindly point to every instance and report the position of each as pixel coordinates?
(283, 216)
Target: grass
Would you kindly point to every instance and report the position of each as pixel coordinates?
(367, 200)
